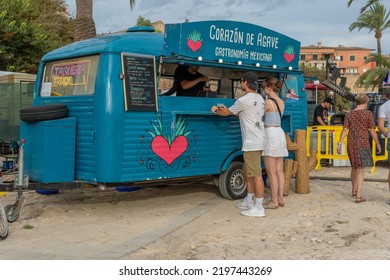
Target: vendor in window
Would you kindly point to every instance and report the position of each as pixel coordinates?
(192, 82)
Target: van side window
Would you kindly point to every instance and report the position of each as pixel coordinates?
(70, 77)
(290, 88)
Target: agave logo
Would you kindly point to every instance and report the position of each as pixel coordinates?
(194, 40)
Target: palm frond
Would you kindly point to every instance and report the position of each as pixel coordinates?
(369, 3)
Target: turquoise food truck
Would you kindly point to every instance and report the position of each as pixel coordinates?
(99, 115)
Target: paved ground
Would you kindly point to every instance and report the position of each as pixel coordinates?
(379, 173)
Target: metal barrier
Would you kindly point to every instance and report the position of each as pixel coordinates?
(325, 145)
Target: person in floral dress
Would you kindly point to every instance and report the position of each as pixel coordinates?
(359, 124)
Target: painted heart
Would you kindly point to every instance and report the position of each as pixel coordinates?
(289, 57)
(194, 46)
(166, 152)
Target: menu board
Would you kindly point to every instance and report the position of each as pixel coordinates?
(139, 82)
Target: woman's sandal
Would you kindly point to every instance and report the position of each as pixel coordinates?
(270, 206)
(359, 199)
(281, 204)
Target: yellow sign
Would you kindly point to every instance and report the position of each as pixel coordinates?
(70, 73)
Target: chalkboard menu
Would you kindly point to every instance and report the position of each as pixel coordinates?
(139, 82)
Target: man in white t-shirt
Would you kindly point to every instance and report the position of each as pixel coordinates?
(384, 114)
(250, 110)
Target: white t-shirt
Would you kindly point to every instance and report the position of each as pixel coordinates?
(250, 110)
(384, 112)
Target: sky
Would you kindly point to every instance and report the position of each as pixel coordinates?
(308, 21)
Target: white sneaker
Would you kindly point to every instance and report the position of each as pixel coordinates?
(244, 205)
(254, 212)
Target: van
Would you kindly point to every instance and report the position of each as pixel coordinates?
(100, 116)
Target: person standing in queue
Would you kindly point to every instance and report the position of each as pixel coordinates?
(276, 146)
(250, 110)
(192, 82)
(321, 112)
(384, 114)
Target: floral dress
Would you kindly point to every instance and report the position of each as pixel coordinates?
(358, 122)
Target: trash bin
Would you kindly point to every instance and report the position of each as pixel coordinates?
(337, 119)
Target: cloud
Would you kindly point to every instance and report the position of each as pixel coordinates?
(308, 21)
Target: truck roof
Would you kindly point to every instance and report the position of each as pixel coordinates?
(141, 41)
(224, 44)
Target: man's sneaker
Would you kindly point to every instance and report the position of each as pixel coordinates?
(254, 212)
(244, 205)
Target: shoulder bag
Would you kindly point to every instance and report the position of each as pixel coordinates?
(277, 105)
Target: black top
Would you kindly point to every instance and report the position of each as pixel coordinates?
(187, 76)
(176, 79)
(322, 112)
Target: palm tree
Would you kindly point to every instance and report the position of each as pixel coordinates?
(374, 77)
(374, 18)
(84, 24)
(369, 3)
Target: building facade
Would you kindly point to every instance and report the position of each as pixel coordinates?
(350, 61)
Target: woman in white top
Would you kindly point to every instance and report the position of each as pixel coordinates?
(276, 147)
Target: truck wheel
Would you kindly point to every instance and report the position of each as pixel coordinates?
(232, 182)
(43, 113)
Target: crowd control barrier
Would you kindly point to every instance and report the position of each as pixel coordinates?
(323, 140)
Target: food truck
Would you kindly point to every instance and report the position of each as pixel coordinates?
(100, 116)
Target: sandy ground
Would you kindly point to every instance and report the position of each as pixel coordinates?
(193, 222)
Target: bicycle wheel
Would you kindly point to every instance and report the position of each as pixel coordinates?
(3, 222)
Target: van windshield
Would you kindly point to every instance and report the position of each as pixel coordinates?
(70, 77)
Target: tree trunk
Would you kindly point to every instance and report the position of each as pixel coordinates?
(84, 25)
(379, 45)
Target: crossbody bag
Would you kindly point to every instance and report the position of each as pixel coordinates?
(277, 105)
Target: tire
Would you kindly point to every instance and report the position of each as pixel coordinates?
(3, 222)
(232, 182)
(44, 113)
(216, 180)
(9, 210)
